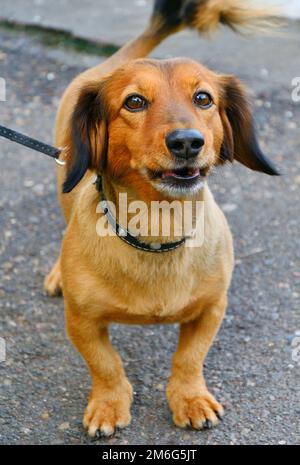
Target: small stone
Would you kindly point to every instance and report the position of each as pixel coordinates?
(259, 103)
(26, 431)
(251, 384)
(289, 114)
(50, 76)
(28, 183)
(7, 265)
(229, 207)
(246, 431)
(45, 415)
(38, 189)
(283, 285)
(160, 387)
(64, 426)
(282, 443)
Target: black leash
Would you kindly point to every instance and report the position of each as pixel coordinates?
(122, 233)
(29, 142)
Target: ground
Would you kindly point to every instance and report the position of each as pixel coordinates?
(250, 368)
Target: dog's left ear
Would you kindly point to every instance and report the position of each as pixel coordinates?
(240, 142)
(88, 136)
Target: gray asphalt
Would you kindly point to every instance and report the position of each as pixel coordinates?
(44, 383)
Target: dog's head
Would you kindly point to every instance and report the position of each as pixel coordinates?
(162, 125)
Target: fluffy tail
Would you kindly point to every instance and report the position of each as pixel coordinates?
(169, 16)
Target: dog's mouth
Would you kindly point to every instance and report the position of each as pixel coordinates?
(184, 177)
(186, 174)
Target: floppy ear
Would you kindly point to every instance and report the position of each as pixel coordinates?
(88, 136)
(240, 142)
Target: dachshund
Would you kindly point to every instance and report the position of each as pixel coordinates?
(153, 130)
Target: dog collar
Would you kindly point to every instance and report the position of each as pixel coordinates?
(125, 235)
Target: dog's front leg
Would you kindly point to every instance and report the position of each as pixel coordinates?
(189, 399)
(111, 394)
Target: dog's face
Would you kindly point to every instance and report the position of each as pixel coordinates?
(162, 125)
(165, 125)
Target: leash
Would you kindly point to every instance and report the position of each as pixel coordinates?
(31, 143)
(122, 233)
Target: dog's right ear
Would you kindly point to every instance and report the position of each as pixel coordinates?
(88, 135)
(240, 141)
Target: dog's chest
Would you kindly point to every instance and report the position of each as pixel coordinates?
(155, 289)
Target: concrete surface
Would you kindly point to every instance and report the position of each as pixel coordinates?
(44, 383)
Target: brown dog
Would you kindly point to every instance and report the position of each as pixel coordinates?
(154, 130)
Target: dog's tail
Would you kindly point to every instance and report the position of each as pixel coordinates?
(206, 15)
(171, 16)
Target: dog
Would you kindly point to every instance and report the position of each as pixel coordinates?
(152, 130)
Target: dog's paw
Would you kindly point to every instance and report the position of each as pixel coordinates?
(107, 411)
(53, 282)
(194, 406)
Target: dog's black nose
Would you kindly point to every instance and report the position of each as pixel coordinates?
(185, 143)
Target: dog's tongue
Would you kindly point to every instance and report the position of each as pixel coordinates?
(186, 173)
(168, 174)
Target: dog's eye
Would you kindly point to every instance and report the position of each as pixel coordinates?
(203, 100)
(135, 103)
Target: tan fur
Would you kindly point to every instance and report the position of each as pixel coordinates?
(239, 15)
(105, 280)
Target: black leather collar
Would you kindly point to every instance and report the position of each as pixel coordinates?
(125, 235)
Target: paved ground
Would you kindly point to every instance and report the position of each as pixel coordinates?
(44, 383)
